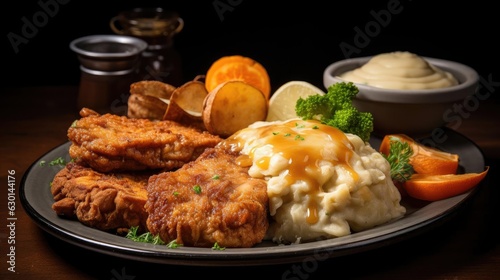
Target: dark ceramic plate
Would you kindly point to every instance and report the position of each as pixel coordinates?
(37, 200)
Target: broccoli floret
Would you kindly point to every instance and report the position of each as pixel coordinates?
(335, 108)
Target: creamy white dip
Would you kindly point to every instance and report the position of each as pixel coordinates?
(400, 70)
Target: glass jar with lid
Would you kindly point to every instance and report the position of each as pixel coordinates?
(160, 61)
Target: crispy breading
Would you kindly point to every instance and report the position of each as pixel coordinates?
(116, 143)
(212, 199)
(110, 202)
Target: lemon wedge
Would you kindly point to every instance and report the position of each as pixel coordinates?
(282, 102)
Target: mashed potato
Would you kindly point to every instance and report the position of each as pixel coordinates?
(322, 183)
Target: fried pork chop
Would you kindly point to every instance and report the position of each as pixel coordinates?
(109, 202)
(212, 199)
(117, 143)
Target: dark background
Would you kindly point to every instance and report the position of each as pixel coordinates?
(293, 40)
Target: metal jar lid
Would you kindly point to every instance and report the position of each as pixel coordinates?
(108, 53)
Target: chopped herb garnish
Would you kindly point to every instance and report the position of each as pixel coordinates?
(299, 137)
(218, 247)
(216, 177)
(173, 244)
(299, 125)
(197, 189)
(276, 133)
(146, 237)
(58, 161)
(175, 193)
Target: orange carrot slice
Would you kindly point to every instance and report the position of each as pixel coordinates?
(436, 187)
(425, 160)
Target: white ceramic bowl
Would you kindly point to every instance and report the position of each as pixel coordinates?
(412, 112)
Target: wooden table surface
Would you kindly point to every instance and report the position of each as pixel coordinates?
(35, 120)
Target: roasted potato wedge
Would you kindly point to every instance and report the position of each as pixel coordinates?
(187, 98)
(149, 99)
(186, 104)
(152, 88)
(233, 105)
(145, 107)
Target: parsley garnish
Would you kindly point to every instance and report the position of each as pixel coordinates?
(173, 244)
(58, 161)
(197, 189)
(399, 160)
(218, 247)
(299, 137)
(146, 237)
(299, 125)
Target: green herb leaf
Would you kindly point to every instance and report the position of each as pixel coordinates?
(146, 237)
(173, 244)
(299, 137)
(299, 125)
(58, 161)
(399, 160)
(218, 247)
(197, 189)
